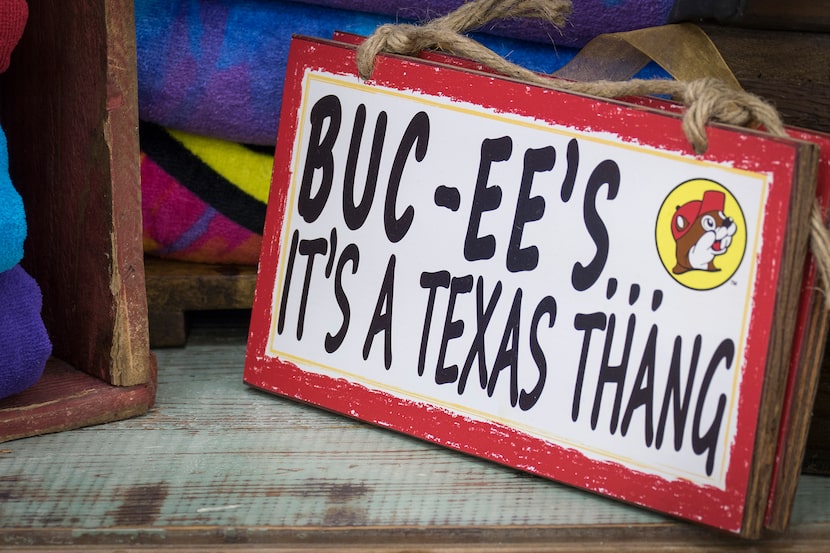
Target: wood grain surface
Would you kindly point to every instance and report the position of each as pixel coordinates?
(789, 69)
(176, 287)
(216, 464)
(70, 109)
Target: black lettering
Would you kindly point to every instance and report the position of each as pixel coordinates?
(724, 353)
(546, 307)
(430, 281)
(528, 209)
(289, 271)
(643, 393)
(382, 317)
(587, 323)
(485, 198)
(483, 316)
(453, 328)
(417, 135)
(332, 252)
(319, 156)
(680, 407)
(570, 174)
(350, 254)
(508, 355)
(613, 374)
(355, 215)
(310, 249)
(607, 172)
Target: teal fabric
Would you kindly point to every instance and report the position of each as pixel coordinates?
(12, 216)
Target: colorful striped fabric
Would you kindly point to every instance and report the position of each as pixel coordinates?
(203, 199)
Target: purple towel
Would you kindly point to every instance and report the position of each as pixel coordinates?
(215, 67)
(588, 19)
(24, 343)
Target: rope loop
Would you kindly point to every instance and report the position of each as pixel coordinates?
(705, 99)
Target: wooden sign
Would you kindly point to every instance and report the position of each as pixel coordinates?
(550, 281)
(811, 323)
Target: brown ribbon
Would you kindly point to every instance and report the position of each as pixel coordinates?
(707, 99)
(682, 49)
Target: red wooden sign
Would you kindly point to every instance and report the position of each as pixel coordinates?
(546, 280)
(811, 324)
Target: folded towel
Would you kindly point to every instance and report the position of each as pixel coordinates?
(13, 15)
(588, 19)
(12, 215)
(24, 343)
(203, 199)
(216, 67)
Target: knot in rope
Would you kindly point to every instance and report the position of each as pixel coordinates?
(705, 99)
(712, 100)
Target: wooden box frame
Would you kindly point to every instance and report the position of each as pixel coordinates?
(69, 108)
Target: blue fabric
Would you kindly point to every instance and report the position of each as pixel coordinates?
(587, 19)
(12, 216)
(215, 67)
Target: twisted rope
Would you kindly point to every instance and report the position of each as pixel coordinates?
(705, 99)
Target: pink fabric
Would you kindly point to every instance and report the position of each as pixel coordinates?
(179, 225)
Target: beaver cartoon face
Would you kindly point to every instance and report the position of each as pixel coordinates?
(702, 232)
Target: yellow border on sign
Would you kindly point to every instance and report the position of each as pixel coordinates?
(334, 80)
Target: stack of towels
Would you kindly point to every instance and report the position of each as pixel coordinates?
(24, 343)
(210, 76)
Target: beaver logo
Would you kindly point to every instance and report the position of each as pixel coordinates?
(702, 232)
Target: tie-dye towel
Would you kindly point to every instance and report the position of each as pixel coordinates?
(216, 67)
(588, 19)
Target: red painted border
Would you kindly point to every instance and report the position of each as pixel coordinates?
(706, 504)
(809, 279)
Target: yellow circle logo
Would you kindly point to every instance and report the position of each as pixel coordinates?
(701, 234)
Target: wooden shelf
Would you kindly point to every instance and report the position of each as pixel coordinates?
(176, 287)
(65, 398)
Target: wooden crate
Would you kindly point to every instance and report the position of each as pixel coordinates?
(69, 108)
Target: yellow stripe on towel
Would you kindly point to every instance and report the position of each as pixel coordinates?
(248, 170)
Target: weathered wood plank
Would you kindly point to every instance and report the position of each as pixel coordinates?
(65, 398)
(218, 463)
(790, 69)
(174, 287)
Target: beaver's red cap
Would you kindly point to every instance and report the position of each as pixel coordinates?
(713, 200)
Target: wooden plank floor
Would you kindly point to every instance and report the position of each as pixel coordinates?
(216, 464)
